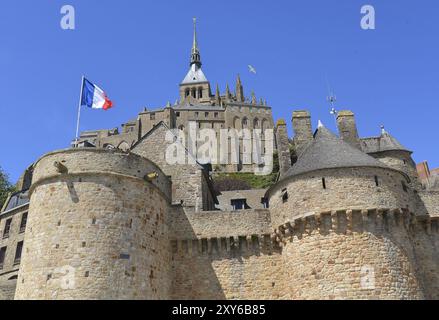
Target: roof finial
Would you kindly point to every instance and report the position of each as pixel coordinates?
(195, 53)
(217, 96)
(239, 90)
(320, 124)
(254, 100)
(227, 92)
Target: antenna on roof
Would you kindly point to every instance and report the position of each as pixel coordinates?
(331, 98)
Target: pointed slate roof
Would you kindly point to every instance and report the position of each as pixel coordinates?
(327, 151)
(385, 142)
(195, 75)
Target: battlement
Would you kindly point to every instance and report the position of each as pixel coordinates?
(377, 221)
(235, 245)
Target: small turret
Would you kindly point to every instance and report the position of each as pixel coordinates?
(239, 90)
(217, 96)
(228, 95)
(254, 100)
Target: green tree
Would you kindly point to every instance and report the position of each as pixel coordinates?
(5, 187)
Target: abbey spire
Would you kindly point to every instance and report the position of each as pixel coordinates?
(195, 53)
(195, 87)
(195, 74)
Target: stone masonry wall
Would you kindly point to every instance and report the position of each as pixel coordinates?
(366, 254)
(346, 188)
(400, 160)
(228, 270)
(95, 234)
(224, 255)
(429, 203)
(9, 270)
(186, 179)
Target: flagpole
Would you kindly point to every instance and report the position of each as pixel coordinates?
(79, 112)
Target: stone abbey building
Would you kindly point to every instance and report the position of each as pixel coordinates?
(110, 219)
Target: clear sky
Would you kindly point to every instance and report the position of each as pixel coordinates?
(138, 52)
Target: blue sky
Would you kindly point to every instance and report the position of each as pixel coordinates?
(138, 51)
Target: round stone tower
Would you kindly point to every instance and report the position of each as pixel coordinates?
(389, 151)
(342, 219)
(96, 228)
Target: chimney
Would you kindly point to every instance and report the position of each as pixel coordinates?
(283, 147)
(347, 128)
(423, 171)
(302, 130)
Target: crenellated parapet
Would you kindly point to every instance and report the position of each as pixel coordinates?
(233, 245)
(378, 221)
(373, 253)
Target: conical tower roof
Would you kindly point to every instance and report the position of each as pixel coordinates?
(385, 142)
(388, 142)
(327, 151)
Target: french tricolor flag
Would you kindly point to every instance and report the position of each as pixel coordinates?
(94, 97)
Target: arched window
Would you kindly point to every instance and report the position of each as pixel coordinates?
(193, 93)
(244, 123)
(187, 93)
(236, 123)
(256, 123)
(200, 92)
(264, 124)
(181, 127)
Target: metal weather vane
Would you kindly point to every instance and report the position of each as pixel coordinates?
(332, 99)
